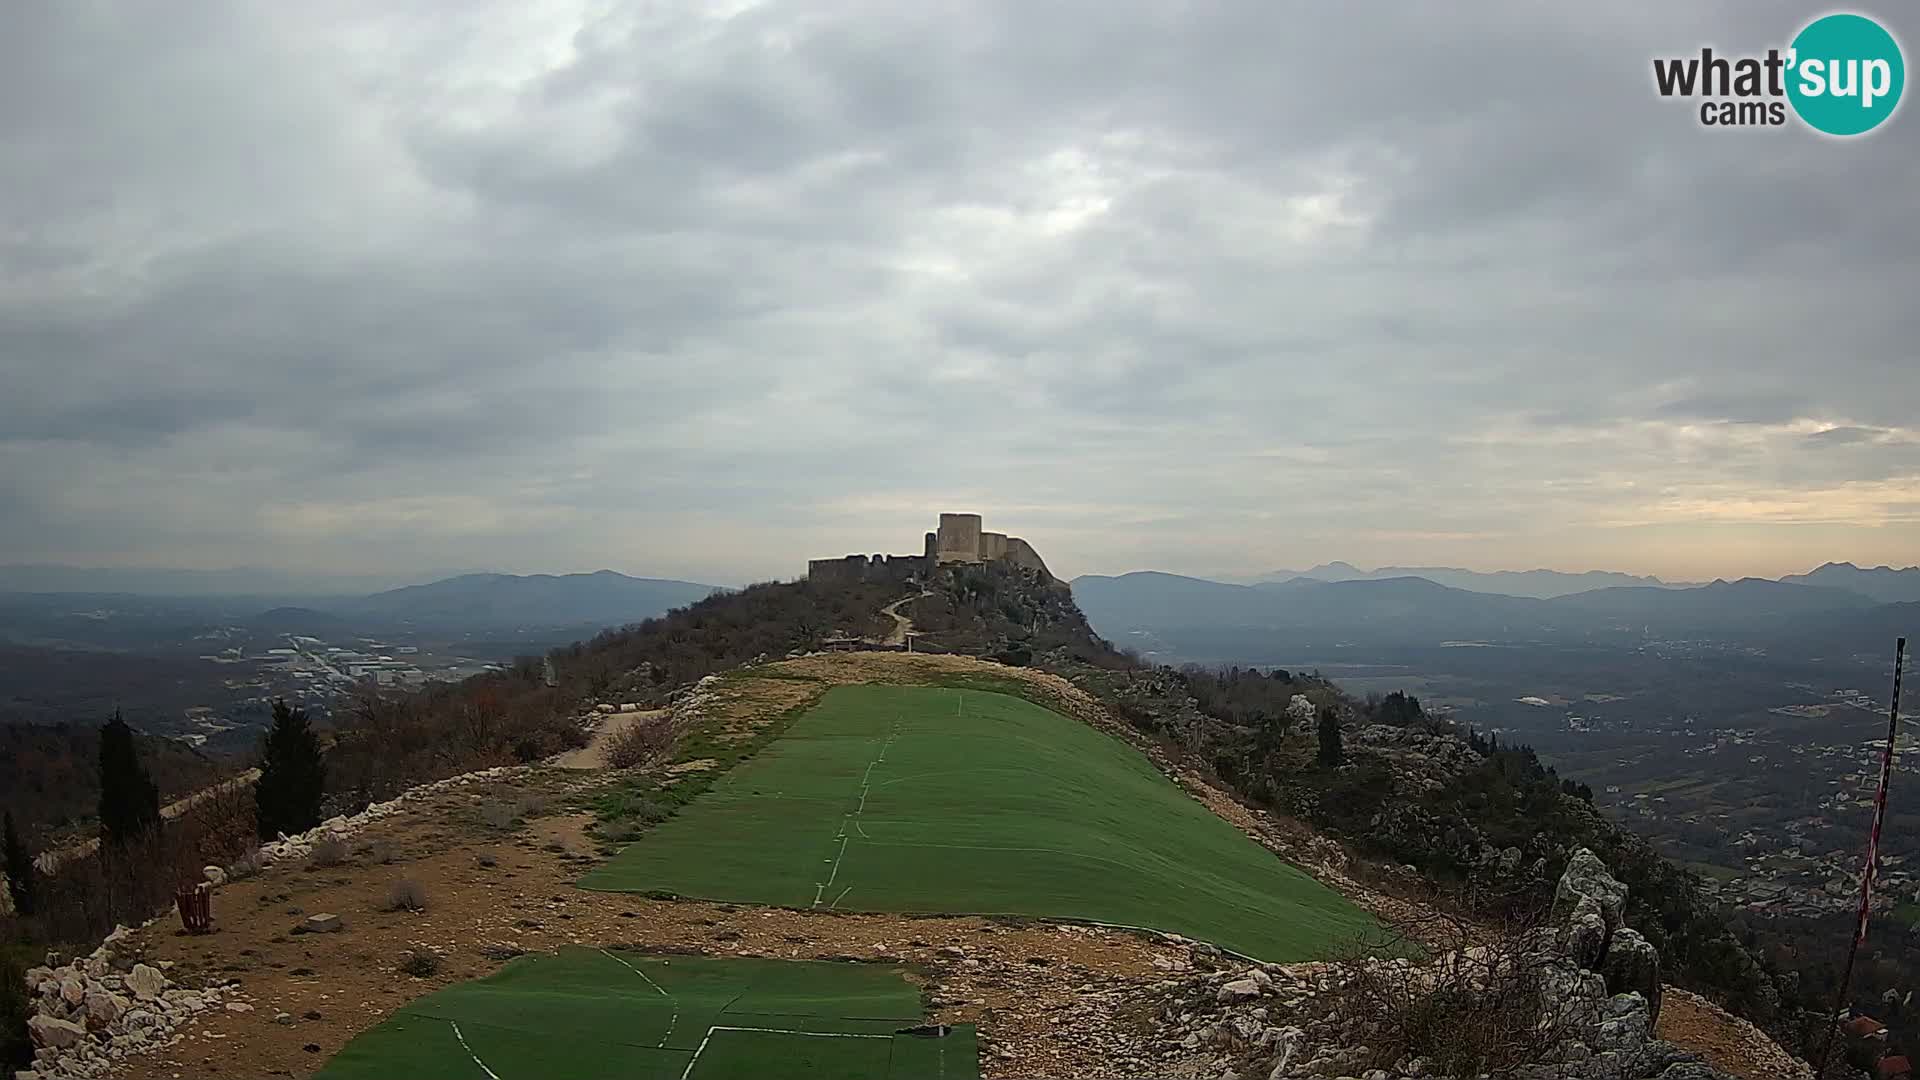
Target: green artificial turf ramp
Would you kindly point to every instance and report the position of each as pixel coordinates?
(920, 799)
(589, 1014)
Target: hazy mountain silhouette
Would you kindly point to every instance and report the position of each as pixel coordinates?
(1414, 608)
(602, 598)
(1882, 583)
(1539, 584)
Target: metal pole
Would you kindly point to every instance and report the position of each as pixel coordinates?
(1873, 858)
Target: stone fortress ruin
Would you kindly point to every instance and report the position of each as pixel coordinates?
(959, 539)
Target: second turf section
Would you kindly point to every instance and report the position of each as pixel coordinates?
(922, 799)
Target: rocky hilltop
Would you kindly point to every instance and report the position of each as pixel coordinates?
(1576, 999)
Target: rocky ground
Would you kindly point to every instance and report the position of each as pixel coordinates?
(306, 953)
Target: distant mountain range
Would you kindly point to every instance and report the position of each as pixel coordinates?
(464, 604)
(237, 581)
(1539, 584)
(1413, 609)
(1881, 583)
(602, 598)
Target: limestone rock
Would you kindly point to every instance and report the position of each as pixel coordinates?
(146, 982)
(1632, 965)
(1584, 934)
(324, 923)
(103, 1009)
(49, 1032)
(1586, 878)
(1238, 990)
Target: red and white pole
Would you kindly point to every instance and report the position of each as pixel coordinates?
(1872, 869)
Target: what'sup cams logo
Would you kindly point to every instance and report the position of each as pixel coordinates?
(1842, 75)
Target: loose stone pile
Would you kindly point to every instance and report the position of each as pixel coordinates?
(89, 1014)
(300, 846)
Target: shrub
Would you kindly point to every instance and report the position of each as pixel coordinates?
(84, 898)
(249, 864)
(328, 851)
(532, 806)
(22, 877)
(1476, 1010)
(640, 743)
(16, 1046)
(497, 815)
(406, 894)
(420, 963)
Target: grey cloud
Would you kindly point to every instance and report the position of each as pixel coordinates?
(1201, 286)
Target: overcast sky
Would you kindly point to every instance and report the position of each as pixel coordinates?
(703, 290)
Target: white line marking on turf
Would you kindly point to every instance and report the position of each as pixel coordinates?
(675, 1018)
(836, 861)
(688, 1071)
(866, 784)
(837, 899)
(476, 1057)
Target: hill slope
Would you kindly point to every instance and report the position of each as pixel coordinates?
(955, 801)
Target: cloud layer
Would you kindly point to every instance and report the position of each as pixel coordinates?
(701, 290)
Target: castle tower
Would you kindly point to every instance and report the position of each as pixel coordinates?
(958, 539)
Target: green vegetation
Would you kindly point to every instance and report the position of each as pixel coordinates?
(920, 799)
(588, 1014)
(292, 776)
(1331, 754)
(16, 1044)
(625, 809)
(22, 878)
(129, 799)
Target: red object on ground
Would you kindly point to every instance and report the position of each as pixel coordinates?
(196, 907)
(1893, 1068)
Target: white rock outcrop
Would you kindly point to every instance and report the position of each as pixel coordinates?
(90, 1014)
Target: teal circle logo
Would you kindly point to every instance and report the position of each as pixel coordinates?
(1845, 74)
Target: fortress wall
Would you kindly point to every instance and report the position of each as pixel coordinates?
(839, 571)
(959, 539)
(1021, 553)
(856, 568)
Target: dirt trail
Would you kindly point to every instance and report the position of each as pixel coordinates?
(594, 754)
(902, 626)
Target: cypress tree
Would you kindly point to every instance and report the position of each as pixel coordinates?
(129, 799)
(1332, 753)
(19, 863)
(293, 775)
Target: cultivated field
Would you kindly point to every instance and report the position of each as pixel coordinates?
(588, 1014)
(917, 799)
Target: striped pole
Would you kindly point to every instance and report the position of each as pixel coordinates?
(1873, 855)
